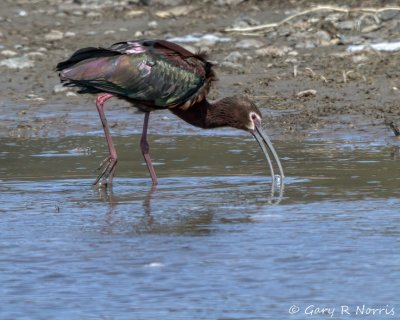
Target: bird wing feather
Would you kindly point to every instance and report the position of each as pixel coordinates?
(156, 73)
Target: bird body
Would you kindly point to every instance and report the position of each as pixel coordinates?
(158, 74)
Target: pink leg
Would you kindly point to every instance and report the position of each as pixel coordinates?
(107, 167)
(144, 146)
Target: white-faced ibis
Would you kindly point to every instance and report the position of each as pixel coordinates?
(158, 74)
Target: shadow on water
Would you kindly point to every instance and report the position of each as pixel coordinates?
(207, 242)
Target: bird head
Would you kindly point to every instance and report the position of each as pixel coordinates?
(245, 115)
(240, 112)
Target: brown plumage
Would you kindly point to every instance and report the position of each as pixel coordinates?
(158, 74)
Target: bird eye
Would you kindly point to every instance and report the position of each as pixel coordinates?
(253, 116)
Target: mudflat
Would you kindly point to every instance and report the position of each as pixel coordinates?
(306, 73)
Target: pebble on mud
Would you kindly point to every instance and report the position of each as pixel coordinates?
(8, 53)
(249, 43)
(77, 13)
(228, 2)
(22, 13)
(152, 24)
(389, 14)
(70, 34)
(134, 13)
(233, 57)
(33, 97)
(54, 35)
(175, 11)
(71, 94)
(138, 34)
(307, 93)
(360, 58)
(371, 28)
(272, 51)
(171, 3)
(59, 88)
(323, 37)
(34, 54)
(93, 14)
(244, 22)
(345, 25)
(17, 63)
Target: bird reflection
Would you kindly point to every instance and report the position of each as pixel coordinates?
(147, 205)
(395, 153)
(277, 190)
(106, 194)
(176, 210)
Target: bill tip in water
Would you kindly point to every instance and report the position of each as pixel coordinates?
(278, 179)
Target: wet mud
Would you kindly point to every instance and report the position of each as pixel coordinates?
(301, 74)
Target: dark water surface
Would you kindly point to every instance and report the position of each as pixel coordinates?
(208, 242)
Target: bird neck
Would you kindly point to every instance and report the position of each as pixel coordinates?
(206, 115)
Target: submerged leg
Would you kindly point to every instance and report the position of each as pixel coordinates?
(144, 146)
(107, 166)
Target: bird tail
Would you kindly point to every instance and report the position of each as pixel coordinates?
(84, 54)
(83, 67)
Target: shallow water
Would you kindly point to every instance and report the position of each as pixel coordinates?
(208, 242)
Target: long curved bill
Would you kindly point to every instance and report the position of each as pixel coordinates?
(266, 144)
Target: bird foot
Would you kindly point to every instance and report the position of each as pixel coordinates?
(107, 168)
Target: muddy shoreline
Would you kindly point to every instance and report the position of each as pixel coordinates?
(301, 74)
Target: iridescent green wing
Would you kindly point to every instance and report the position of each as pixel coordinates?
(156, 73)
